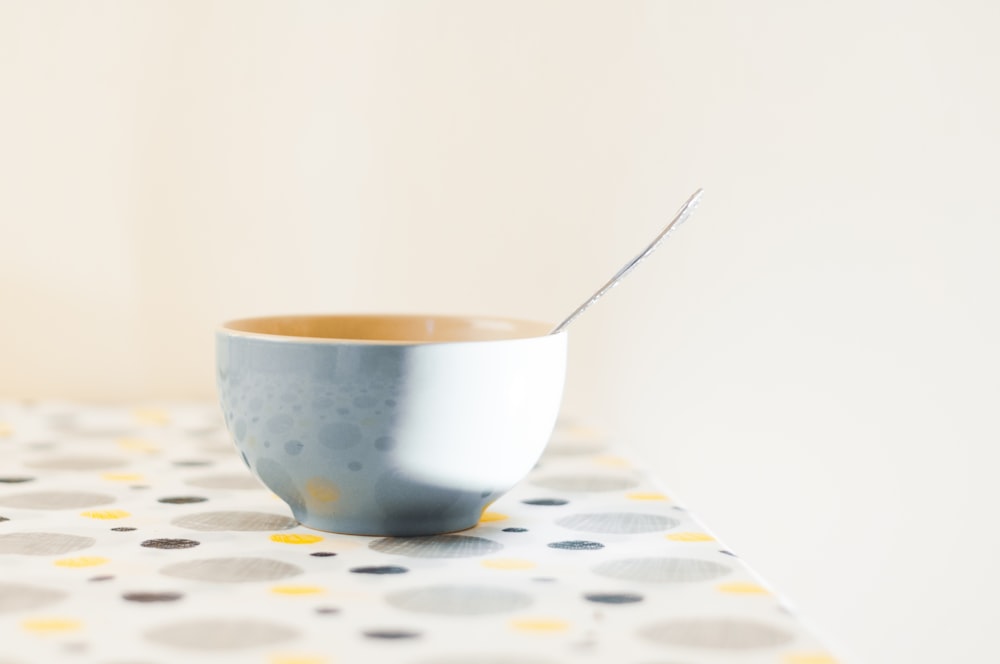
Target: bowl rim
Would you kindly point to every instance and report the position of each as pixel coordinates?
(479, 328)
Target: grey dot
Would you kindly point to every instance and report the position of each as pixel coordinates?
(390, 402)
(293, 447)
(43, 544)
(662, 570)
(280, 423)
(78, 463)
(22, 597)
(240, 429)
(231, 570)
(55, 500)
(339, 435)
(237, 481)
(722, 633)
(618, 523)
(436, 546)
(364, 401)
(355, 465)
(234, 521)
(385, 443)
(220, 634)
(584, 482)
(256, 404)
(455, 600)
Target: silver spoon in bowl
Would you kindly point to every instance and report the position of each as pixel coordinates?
(678, 219)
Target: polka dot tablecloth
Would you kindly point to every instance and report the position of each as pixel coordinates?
(136, 536)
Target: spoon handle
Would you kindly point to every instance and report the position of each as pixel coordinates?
(678, 219)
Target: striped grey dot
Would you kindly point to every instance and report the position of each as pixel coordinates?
(455, 600)
(232, 570)
(238, 481)
(22, 597)
(220, 634)
(661, 570)
(586, 482)
(436, 546)
(236, 521)
(78, 463)
(55, 500)
(618, 523)
(722, 633)
(43, 544)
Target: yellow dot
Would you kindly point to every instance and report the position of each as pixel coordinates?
(690, 537)
(808, 658)
(508, 563)
(105, 514)
(492, 516)
(5, 430)
(612, 461)
(297, 590)
(154, 416)
(297, 659)
(123, 477)
(742, 588)
(81, 561)
(645, 495)
(539, 625)
(137, 445)
(296, 538)
(322, 490)
(50, 625)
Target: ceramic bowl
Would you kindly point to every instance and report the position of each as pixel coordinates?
(389, 424)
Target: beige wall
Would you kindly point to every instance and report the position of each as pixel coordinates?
(811, 364)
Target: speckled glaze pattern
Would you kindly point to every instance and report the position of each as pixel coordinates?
(389, 439)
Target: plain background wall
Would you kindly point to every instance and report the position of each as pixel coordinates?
(811, 364)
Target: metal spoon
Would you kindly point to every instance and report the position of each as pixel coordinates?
(678, 219)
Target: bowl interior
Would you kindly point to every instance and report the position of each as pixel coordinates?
(379, 328)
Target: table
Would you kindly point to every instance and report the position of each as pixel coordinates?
(134, 535)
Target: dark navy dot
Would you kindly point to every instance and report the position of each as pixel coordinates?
(554, 502)
(327, 610)
(515, 530)
(355, 465)
(613, 598)
(293, 447)
(123, 529)
(103, 577)
(192, 463)
(170, 543)
(182, 500)
(323, 554)
(728, 553)
(147, 598)
(380, 569)
(485, 493)
(15, 480)
(576, 545)
(390, 634)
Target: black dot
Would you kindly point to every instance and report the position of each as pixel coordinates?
(327, 610)
(170, 543)
(728, 553)
(15, 480)
(123, 529)
(3, 518)
(515, 530)
(152, 597)
(192, 463)
(553, 502)
(485, 493)
(323, 554)
(103, 577)
(613, 598)
(380, 569)
(576, 545)
(181, 500)
(390, 634)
